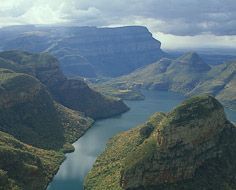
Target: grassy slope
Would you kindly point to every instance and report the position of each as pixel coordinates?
(136, 146)
(105, 174)
(188, 75)
(29, 114)
(74, 94)
(221, 83)
(25, 167)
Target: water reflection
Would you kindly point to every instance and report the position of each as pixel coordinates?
(87, 148)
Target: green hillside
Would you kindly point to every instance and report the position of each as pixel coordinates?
(25, 167)
(75, 94)
(188, 74)
(191, 147)
(30, 118)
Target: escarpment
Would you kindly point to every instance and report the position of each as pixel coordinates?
(35, 131)
(74, 94)
(89, 51)
(191, 147)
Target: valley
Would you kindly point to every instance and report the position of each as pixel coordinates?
(170, 152)
(188, 74)
(100, 108)
(73, 171)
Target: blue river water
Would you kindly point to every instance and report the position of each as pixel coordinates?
(77, 164)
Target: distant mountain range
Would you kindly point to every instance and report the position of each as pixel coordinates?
(88, 51)
(46, 104)
(188, 74)
(191, 147)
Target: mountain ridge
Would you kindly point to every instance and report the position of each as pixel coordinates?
(72, 93)
(182, 149)
(89, 51)
(188, 75)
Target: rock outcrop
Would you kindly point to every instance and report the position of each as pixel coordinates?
(89, 51)
(192, 147)
(72, 93)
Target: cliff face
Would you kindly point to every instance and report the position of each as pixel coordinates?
(28, 112)
(186, 138)
(192, 147)
(74, 94)
(34, 131)
(91, 51)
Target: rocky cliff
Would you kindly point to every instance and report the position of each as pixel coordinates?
(29, 113)
(192, 147)
(74, 94)
(34, 131)
(89, 51)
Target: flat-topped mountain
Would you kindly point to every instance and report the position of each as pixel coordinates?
(89, 51)
(188, 74)
(72, 93)
(191, 147)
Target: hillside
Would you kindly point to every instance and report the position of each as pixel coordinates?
(88, 51)
(25, 167)
(221, 83)
(191, 147)
(29, 113)
(188, 74)
(74, 94)
(35, 131)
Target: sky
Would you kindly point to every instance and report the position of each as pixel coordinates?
(176, 23)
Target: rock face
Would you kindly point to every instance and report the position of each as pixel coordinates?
(28, 111)
(89, 51)
(192, 147)
(35, 130)
(74, 94)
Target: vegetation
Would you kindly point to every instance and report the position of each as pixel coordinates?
(25, 167)
(108, 89)
(35, 131)
(138, 150)
(188, 74)
(72, 93)
(106, 172)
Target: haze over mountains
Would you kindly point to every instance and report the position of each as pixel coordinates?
(188, 74)
(72, 93)
(46, 104)
(88, 51)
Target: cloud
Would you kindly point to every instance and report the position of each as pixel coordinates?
(177, 17)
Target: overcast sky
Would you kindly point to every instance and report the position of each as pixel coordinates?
(176, 23)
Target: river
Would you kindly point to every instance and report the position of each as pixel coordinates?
(77, 164)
